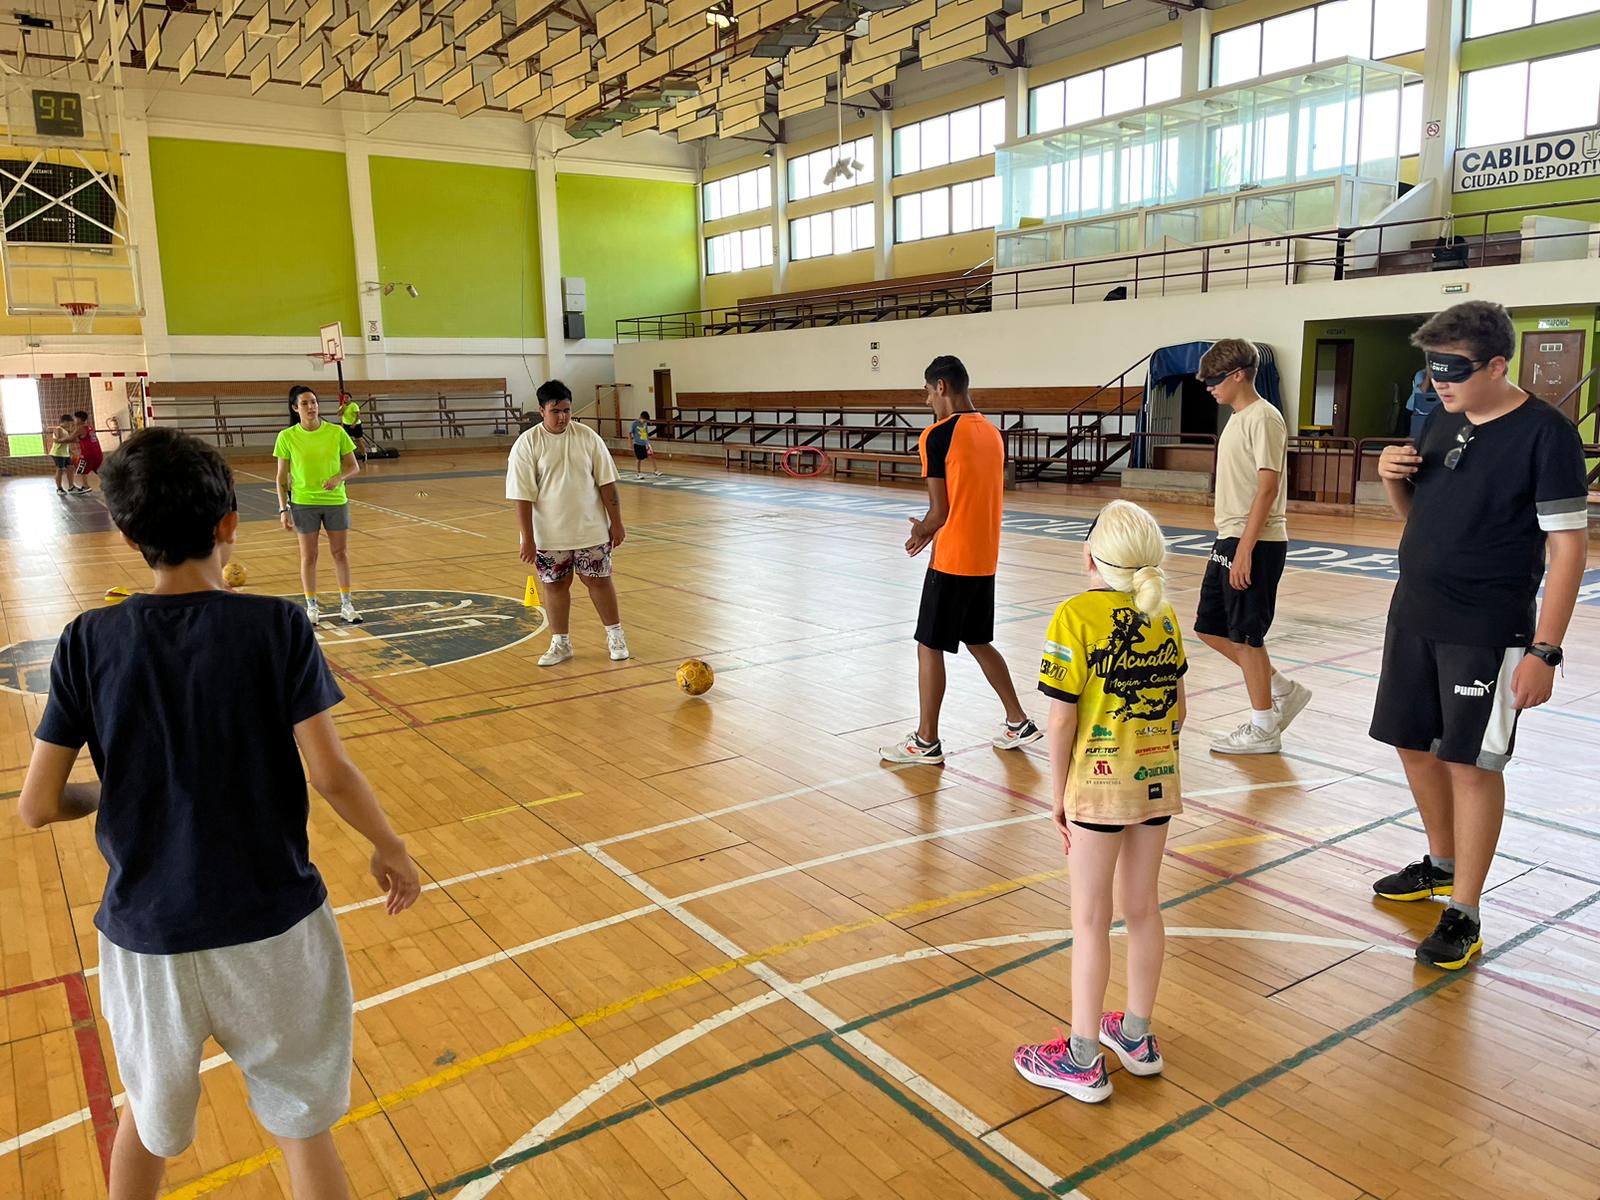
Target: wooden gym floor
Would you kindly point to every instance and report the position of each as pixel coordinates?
(711, 948)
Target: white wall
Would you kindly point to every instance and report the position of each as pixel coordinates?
(1076, 345)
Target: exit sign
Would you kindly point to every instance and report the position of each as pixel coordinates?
(1455, 289)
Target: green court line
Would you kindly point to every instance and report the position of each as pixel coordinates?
(1279, 1069)
(964, 1146)
(826, 1038)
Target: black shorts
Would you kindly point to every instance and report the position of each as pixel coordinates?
(1119, 828)
(355, 431)
(640, 453)
(956, 610)
(1450, 700)
(1239, 616)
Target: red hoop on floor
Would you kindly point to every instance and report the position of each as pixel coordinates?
(823, 462)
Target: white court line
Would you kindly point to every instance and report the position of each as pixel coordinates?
(828, 1019)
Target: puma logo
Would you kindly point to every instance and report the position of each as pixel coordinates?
(1476, 689)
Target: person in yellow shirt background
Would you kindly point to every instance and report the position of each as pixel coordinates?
(1113, 667)
(350, 418)
(315, 457)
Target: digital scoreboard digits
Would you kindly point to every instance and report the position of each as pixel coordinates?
(58, 114)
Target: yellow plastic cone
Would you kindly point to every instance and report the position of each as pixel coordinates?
(530, 597)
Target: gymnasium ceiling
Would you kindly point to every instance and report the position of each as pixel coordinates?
(690, 69)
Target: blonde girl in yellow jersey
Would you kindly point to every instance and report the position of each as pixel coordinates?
(1113, 668)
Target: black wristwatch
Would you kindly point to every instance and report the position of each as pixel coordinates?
(1550, 655)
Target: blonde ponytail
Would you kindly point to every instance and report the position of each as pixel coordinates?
(1149, 590)
(1127, 546)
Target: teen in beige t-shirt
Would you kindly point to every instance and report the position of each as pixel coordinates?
(1239, 594)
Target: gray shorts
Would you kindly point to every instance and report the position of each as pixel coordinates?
(280, 1007)
(308, 518)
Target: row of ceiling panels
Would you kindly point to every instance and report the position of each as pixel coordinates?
(690, 68)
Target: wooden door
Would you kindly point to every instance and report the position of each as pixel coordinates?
(1552, 362)
(663, 387)
(1335, 369)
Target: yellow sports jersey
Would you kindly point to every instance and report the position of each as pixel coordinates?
(1121, 669)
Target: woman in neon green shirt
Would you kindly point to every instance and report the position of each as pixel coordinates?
(315, 457)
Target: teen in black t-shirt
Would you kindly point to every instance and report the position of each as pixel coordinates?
(1494, 485)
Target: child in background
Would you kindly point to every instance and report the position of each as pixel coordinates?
(350, 418)
(196, 704)
(639, 435)
(63, 437)
(1113, 668)
(90, 456)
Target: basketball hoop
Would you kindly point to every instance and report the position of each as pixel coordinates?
(82, 315)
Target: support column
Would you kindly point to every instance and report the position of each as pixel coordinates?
(883, 199)
(1441, 96)
(358, 179)
(1017, 103)
(544, 190)
(1196, 51)
(142, 232)
(780, 213)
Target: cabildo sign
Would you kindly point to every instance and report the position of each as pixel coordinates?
(1533, 160)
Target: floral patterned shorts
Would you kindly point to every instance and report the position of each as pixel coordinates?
(552, 566)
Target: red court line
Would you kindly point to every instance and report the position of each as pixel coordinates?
(361, 685)
(91, 1058)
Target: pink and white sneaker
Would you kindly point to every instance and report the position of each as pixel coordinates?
(1138, 1057)
(1051, 1066)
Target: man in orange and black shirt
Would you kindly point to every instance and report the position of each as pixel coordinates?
(964, 461)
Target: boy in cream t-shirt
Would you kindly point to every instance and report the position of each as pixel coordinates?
(564, 482)
(1239, 594)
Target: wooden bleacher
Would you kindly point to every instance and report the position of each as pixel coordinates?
(249, 413)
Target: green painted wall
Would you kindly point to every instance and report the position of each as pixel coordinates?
(255, 240)
(1524, 193)
(1383, 360)
(467, 238)
(635, 243)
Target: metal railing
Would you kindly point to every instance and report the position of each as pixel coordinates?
(1466, 238)
(243, 420)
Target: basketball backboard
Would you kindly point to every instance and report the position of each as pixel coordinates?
(333, 342)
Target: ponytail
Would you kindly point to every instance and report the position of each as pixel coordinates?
(1127, 547)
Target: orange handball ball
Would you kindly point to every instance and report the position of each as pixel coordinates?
(695, 677)
(234, 575)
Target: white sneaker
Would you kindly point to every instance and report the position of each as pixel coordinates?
(1014, 739)
(910, 750)
(313, 612)
(559, 652)
(617, 643)
(1249, 738)
(1291, 704)
(348, 613)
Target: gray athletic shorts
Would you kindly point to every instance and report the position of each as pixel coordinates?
(280, 1007)
(308, 518)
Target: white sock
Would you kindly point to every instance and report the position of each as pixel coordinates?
(1265, 719)
(1281, 684)
(561, 639)
(617, 628)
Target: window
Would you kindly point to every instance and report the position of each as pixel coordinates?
(1118, 88)
(741, 250)
(953, 137)
(1411, 120)
(839, 231)
(1524, 99)
(1335, 29)
(1497, 16)
(19, 407)
(739, 194)
(960, 208)
(806, 172)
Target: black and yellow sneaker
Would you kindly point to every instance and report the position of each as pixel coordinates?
(1420, 881)
(1453, 941)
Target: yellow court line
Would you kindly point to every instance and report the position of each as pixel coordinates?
(521, 804)
(248, 1166)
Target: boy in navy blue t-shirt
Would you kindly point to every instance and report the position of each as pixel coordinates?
(214, 923)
